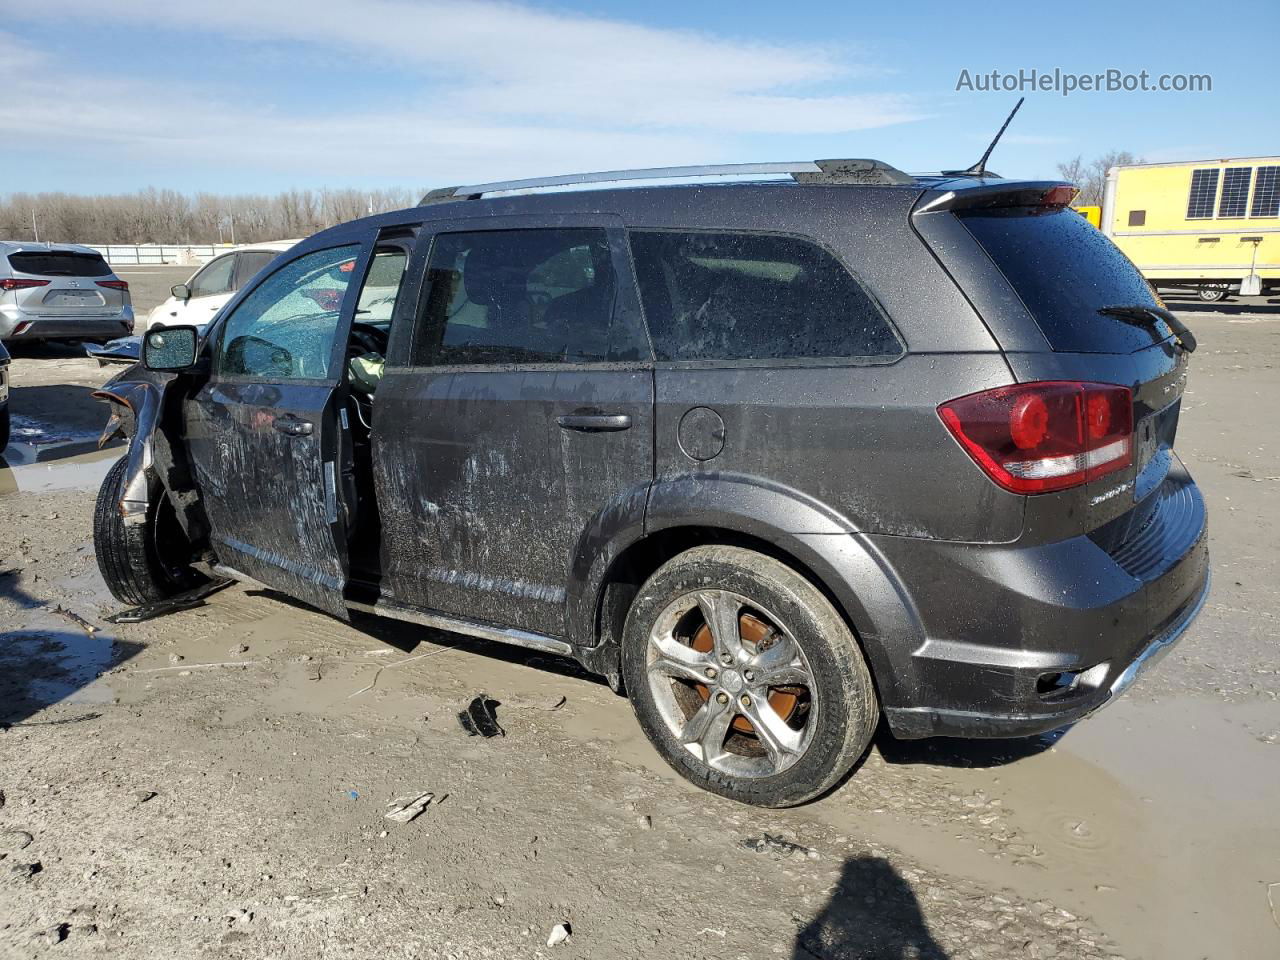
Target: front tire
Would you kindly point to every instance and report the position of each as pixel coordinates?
(745, 677)
(145, 562)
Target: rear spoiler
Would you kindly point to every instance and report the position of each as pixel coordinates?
(1023, 193)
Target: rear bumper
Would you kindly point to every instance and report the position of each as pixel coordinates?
(913, 723)
(15, 325)
(1023, 640)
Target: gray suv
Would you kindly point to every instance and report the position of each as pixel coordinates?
(779, 458)
(60, 291)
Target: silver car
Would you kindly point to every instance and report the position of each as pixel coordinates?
(60, 291)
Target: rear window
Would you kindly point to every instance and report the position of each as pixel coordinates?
(745, 296)
(60, 264)
(1065, 270)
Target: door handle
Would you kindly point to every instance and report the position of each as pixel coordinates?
(293, 426)
(595, 422)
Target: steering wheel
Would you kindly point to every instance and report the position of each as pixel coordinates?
(366, 338)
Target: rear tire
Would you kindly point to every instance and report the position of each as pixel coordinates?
(1212, 292)
(145, 562)
(778, 713)
(4, 427)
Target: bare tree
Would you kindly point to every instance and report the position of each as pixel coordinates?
(166, 216)
(1091, 178)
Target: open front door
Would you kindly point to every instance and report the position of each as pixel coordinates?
(263, 432)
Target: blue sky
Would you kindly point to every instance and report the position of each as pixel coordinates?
(259, 95)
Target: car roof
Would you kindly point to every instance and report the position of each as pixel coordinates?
(29, 246)
(635, 202)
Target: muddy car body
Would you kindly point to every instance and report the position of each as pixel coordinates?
(778, 457)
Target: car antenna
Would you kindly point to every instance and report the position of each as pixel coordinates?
(979, 169)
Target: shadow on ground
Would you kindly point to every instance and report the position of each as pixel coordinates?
(406, 637)
(45, 349)
(43, 664)
(872, 913)
(954, 752)
(1181, 304)
(55, 410)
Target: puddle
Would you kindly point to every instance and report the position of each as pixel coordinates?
(20, 473)
(1159, 820)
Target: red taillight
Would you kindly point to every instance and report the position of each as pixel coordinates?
(1058, 196)
(113, 284)
(20, 283)
(1051, 435)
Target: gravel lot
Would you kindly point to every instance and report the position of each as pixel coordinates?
(215, 782)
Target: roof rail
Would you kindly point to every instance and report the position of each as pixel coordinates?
(803, 171)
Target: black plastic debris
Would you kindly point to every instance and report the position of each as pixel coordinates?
(183, 601)
(768, 843)
(479, 719)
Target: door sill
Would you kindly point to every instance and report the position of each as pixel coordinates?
(440, 621)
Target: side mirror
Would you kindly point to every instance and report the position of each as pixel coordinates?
(170, 349)
(181, 291)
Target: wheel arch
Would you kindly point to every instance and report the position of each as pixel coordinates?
(842, 563)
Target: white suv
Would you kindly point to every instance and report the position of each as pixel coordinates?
(60, 291)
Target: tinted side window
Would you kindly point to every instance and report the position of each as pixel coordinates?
(285, 328)
(251, 263)
(743, 296)
(214, 278)
(521, 296)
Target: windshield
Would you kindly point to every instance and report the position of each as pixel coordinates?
(1066, 272)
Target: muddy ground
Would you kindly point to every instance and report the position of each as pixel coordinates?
(215, 783)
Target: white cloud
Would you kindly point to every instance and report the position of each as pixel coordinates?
(503, 89)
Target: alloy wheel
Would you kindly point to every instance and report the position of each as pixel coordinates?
(731, 683)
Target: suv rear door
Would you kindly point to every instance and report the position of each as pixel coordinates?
(263, 431)
(517, 422)
(1044, 279)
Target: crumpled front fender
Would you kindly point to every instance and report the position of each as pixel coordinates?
(138, 402)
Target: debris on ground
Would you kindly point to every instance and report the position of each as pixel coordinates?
(559, 934)
(24, 871)
(186, 671)
(75, 618)
(479, 719)
(142, 796)
(768, 843)
(404, 809)
(183, 601)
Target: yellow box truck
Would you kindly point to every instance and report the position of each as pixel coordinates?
(1212, 226)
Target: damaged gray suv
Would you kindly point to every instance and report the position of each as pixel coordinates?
(781, 456)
